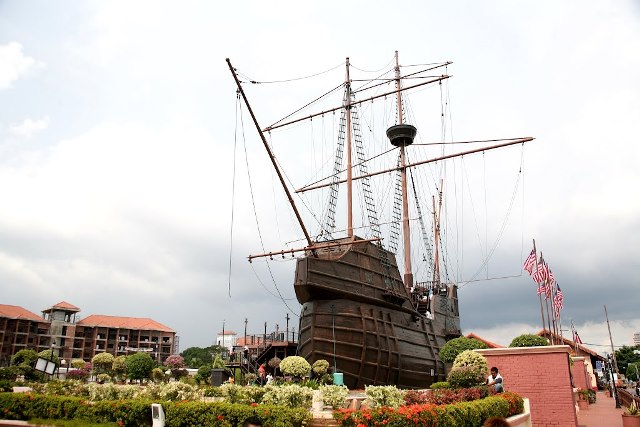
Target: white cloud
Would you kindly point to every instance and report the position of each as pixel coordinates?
(14, 64)
(29, 126)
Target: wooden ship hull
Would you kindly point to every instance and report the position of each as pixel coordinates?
(358, 316)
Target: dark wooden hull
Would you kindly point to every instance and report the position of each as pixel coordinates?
(358, 316)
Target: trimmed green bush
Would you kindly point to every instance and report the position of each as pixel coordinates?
(295, 366)
(334, 395)
(439, 385)
(465, 376)
(454, 347)
(384, 395)
(26, 406)
(529, 340)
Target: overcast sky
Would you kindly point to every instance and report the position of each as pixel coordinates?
(117, 124)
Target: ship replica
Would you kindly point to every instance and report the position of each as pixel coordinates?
(373, 324)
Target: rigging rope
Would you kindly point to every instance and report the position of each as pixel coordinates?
(291, 79)
(233, 192)
(502, 228)
(255, 212)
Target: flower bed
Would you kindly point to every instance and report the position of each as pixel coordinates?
(430, 415)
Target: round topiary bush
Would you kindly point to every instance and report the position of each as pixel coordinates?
(465, 376)
(469, 370)
(320, 367)
(529, 340)
(454, 347)
(295, 366)
(471, 358)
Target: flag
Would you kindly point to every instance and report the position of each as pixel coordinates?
(539, 275)
(558, 301)
(577, 340)
(550, 276)
(530, 262)
(576, 337)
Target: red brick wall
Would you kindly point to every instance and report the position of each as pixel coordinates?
(542, 375)
(579, 372)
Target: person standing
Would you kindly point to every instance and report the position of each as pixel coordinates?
(495, 380)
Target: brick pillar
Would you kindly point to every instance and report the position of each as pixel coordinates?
(540, 374)
(579, 372)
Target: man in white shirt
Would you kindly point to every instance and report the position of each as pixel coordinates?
(495, 380)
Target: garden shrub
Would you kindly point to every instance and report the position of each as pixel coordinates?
(204, 373)
(232, 393)
(529, 340)
(9, 373)
(416, 397)
(320, 367)
(334, 395)
(291, 395)
(295, 366)
(439, 385)
(102, 363)
(157, 375)
(384, 395)
(465, 376)
(469, 370)
(471, 358)
(77, 363)
(458, 414)
(78, 374)
(454, 347)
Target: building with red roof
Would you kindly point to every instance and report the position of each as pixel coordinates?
(60, 329)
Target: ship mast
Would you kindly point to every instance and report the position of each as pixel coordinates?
(347, 106)
(408, 274)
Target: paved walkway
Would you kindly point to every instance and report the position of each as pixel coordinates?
(601, 413)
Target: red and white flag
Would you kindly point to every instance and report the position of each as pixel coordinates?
(558, 301)
(530, 262)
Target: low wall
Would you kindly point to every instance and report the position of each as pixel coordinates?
(540, 374)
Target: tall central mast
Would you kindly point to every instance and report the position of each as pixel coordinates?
(402, 135)
(347, 106)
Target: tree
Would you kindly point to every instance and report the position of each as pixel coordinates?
(139, 366)
(454, 347)
(119, 366)
(195, 357)
(24, 358)
(633, 371)
(626, 355)
(529, 340)
(102, 363)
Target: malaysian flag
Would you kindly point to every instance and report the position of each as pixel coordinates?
(530, 262)
(540, 275)
(558, 301)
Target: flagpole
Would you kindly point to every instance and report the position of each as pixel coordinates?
(539, 296)
(550, 323)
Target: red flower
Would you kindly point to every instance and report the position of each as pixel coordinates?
(220, 418)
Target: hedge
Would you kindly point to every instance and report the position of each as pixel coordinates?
(26, 406)
(461, 414)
